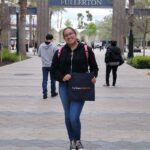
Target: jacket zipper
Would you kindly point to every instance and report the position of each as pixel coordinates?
(71, 61)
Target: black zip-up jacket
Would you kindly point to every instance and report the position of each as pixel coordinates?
(61, 65)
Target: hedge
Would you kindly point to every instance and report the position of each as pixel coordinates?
(140, 62)
(7, 56)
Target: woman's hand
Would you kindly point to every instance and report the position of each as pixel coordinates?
(67, 77)
(94, 80)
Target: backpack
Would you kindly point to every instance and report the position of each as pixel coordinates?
(111, 56)
(85, 49)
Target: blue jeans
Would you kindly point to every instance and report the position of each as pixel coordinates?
(72, 111)
(46, 71)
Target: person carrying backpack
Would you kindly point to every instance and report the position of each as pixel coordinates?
(70, 59)
(113, 59)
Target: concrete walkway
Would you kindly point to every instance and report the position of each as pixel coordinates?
(119, 119)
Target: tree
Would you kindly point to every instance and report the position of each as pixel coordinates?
(52, 10)
(142, 22)
(81, 23)
(80, 18)
(4, 25)
(22, 35)
(90, 30)
(59, 11)
(68, 23)
(89, 16)
(105, 28)
(4, 21)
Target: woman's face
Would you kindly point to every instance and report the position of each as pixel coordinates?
(70, 36)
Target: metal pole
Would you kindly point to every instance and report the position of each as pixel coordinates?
(17, 32)
(33, 34)
(131, 37)
(130, 46)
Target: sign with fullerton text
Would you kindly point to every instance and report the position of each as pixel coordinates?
(82, 3)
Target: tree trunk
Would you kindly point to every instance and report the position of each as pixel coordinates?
(50, 20)
(2, 1)
(42, 20)
(4, 24)
(144, 40)
(0, 40)
(118, 23)
(61, 19)
(30, 31)
(22, 33)
(1, 54)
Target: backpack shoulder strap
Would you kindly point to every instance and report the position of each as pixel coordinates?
(59, 51)
(85, 48)
(86, 51)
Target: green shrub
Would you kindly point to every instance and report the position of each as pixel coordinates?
(141, 62)
(23, 57)
(7, 56)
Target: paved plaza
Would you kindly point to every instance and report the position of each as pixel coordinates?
(119, 119)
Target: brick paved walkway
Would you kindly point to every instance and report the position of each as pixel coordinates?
(119, 119)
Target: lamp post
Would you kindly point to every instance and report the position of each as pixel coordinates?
(33, 32)
(131, 37)
(17, 30)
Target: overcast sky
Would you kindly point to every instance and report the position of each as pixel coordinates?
(71, 14)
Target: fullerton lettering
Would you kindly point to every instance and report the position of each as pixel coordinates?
(81, 2)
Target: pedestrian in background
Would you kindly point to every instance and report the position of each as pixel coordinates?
(46, 52)
(113, 59)
(72, 59)
(12, 42)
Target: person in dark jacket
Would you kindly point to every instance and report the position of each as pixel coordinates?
(113, 59)
(72, 59)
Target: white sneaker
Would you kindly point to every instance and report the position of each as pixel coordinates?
(79, 145)
(72, 145)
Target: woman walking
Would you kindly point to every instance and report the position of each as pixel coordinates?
(72, 58)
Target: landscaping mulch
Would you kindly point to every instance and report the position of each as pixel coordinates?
(5, 63)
